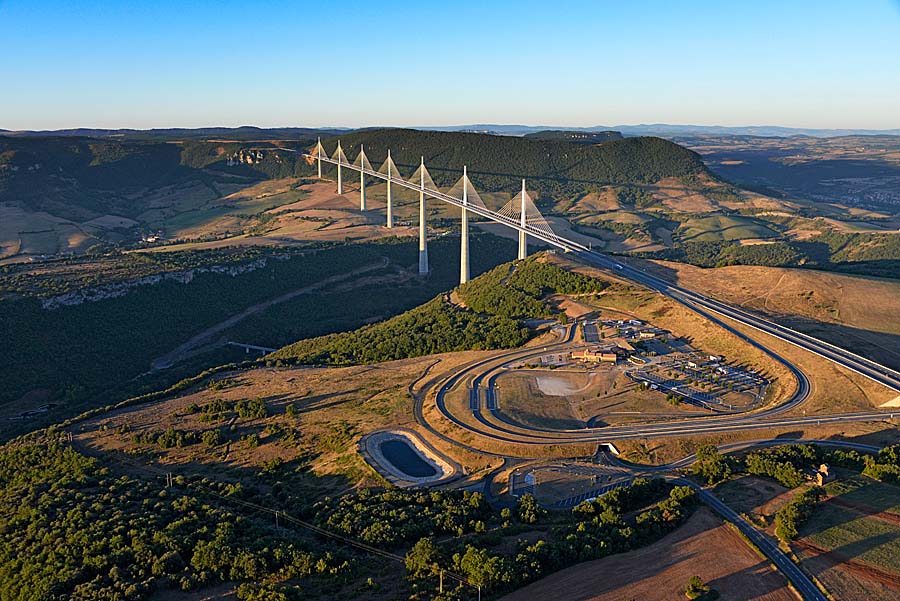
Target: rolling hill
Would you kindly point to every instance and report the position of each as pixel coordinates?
(551, 167)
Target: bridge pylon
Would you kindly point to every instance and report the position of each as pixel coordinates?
(523, 237)
(390, 206)
(423, 234)
(339, 153)
(362, 179)
(319, 152)
(464, 232)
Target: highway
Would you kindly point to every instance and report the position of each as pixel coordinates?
(703, 304)
(490, 422)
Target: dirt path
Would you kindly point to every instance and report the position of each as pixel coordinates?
(203, 337)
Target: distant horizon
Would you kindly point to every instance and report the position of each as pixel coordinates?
(465, 126)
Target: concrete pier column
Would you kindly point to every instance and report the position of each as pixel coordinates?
(340, 188)
(523, 238)
(464, 233)
(423, 237)
(390, 206)
(362, 179)
(319, 156)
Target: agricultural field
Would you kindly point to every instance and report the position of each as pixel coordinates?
(693, 549)
(717, 228)
(852, 541)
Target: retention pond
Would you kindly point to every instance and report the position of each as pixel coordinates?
(406, 459)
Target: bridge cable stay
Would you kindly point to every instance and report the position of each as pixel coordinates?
(421, 175)
(394, 172)
(512, 210)
(339, 155)
(464, 187)
(362, 161)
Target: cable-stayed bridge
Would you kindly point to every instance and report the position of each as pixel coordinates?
(521, 214)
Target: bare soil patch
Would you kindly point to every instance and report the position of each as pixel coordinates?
(704, 547)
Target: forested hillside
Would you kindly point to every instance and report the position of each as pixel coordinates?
(576, 137)
(81, 178)
(498, 163)
(495, 303)
(79, 527)
(95, 353)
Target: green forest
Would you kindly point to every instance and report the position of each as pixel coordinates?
(72, 526)
(95, 353)
(495, 302)
(499, 163)
(517, 291)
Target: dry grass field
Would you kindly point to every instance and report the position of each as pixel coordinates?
(278, 212)
(573, 399)
(854, 310)
(334, 408)
(704, 547)
(851, 543)
(27, 234)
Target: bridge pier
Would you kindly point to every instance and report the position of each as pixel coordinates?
(523, 238)
(423, 236)
(362, 179)
(340, 185)
(390, 206)
(464, 233)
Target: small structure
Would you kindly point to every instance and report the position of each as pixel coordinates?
(822, 475)
(596, 355)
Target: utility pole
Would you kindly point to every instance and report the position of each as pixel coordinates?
(362, 178)
(464, 233)
(340, 187)
(423, 237)
(390, 206)
(523, 243)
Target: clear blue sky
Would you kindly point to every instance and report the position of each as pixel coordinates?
(164, 63)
